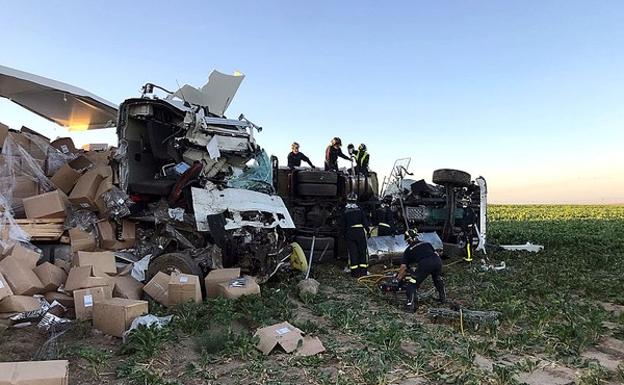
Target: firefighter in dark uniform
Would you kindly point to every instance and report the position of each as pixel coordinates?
(361, 160)
(356, 230)
(332, 152)
(428, 262)
(384, 218)
(295, 157)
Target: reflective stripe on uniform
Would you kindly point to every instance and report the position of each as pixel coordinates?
(411, 280)
(384, 224)
(363, 265)
(357, 226)
(353, 267)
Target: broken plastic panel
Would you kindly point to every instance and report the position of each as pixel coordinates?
(257, 177)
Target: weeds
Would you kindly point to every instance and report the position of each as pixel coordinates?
(97, 359)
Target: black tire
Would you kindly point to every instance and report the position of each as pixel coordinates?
(312, 176)
(319, 244)
(447, 176)
(174, 262)
(317, 190)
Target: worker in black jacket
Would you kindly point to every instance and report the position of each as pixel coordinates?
(356, 229)
(361, 159)
(332, 152)
(384, 219)
(428, 262)
(295, 157)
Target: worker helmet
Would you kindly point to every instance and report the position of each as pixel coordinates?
(352, 198)
(362, 147)
(411, 235)
(336, 141)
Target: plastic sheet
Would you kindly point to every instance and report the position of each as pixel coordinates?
(83, 219)
(117, 203)
(257, 177)
(148, 320)
(10, 231)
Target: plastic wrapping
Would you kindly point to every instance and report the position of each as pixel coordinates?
(117, 203)
(83, 219)
(55, 159)
(10, 231)
(257, 177)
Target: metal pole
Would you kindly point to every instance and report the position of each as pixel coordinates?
(311, 255)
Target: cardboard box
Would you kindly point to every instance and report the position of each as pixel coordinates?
(62, 298)
(283, 334)
(237, 288)
(26, 255)
(103, 260)
(5, 289)
(48, 205)
(63, 264)
(99, 158)
(158, 288)
(34, 373)
(184, 288)
(108, 235)
(81, 240)
(104, 171)
(85, 277)
(4, 132)
(52, 277)
(20, 277)
(19, 303)
(65, 178)
(114, 316)
(64, 145)
(83, 193)
(215, 277)
(95, 147)
(81, 163)
(25, 187)
(127, 287)
(85, 299)
(106, 185)
(29, 145)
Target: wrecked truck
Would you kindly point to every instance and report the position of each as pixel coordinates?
(201, 184)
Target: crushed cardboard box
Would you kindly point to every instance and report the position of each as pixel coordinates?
(20, 277)
(103, 260)
(83, 193)
(34, 373)
(238, 287)
(217, 276)
(108, 235)
(47, 205)
(65, 178)
(64, 299)
(19, 303)
(5, 289)
(52, 277)
(81, 240)
(25, 254)
(83, 277)
(158, 288)
(127, 287)
(289, 338)
(184, 288)
(114, 316)
(85, 299)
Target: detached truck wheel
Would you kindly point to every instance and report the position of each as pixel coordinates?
(174, 262)
(447, 176)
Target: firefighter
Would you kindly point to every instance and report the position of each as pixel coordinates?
(332, 152)
(384, 218)
(356, 230)
(428, 262)
(295, 157)
(361, 159)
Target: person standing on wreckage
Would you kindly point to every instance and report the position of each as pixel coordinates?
(295, 157)
(428, 262)
(332, 152)
(356, 231)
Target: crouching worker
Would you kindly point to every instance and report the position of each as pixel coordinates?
(427, 261)
(356, 230)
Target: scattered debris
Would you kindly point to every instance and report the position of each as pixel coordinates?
(289, 338)
(308, 286)
(526, 247)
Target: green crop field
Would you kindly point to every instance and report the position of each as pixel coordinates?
(559, 309)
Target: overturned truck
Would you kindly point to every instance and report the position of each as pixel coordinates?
(200, 183)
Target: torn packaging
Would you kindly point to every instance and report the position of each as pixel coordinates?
(84, 191)
(65, 178)
(5, 289)
(52, 277)
(217, 276)
(103, 260)
(105, 186)
(108, 238)
(85, 299)
(20, 277)
(34, 373)
(81, 240)
(237, 288)
(158, 288)
(184, 288)
(47, 205)
(64, 299)
(85, 277)
(114, 316)
(282, 334)
(127, 287)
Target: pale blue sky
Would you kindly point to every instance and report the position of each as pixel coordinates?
(528, 93)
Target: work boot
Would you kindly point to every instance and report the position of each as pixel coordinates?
(439, 285)
(412, 301)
